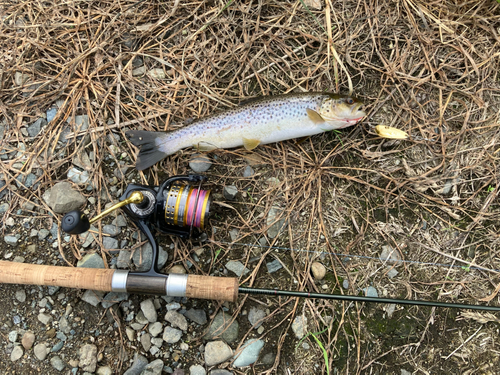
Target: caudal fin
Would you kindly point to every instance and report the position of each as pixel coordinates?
(149, 153)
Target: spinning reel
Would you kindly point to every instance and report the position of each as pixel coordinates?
(176, 207)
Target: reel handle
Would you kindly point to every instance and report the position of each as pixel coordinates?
(76, 222)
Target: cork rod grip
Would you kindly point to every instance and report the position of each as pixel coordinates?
(68, 277)
(211, 287)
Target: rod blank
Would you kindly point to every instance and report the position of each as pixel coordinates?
(275, 292)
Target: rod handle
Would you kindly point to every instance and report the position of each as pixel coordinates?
(212, 287)
(68, 277)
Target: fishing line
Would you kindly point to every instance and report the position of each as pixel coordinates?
(445, 265)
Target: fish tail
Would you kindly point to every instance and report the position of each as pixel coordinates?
(149, 143)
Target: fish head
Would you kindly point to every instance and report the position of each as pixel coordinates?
(341, 111)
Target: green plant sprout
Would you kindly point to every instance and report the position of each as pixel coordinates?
(320, 344)
(217, 254)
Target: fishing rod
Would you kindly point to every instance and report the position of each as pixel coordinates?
(176, 207)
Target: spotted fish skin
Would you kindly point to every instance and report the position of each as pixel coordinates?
(266, 120)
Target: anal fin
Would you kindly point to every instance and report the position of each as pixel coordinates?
(250, 144)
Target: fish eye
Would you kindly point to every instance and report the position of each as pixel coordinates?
(350, 101)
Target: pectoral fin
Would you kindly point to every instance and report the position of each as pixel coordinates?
(250, 144)
(315, 116)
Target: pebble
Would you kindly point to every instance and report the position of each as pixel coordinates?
(120, 172)
(217, 352)
(237, 267)
(248, 172)
(155, 329)
(51, 114)
(64, 325)
(179, 269)
(197, 316)
(130, 333)
(110, 243)
(94, 297)
(113, 297)
(200, 163)
(87, 238)
(57, 347)
(404, 372)
(171, 335)
(230, 192)
(274, 266)
(13, 336)
(254, 316)
(148, 308)
(224, 327)
(10, 240)
(143, 259)
(41, 351)
(234, 234)
(4, 207)
(35, 128)
(139, 71)
(220, 372)
(21, 78)
(389, 309)
(44, 318)
(78, 177)
(390, 254)
(392, 272)
(104, 371)
(197, 370)
(275, 226)
(82, 160)
(157, 73)
(17, 353)
(57, 363)
(61, 198)
(173, 306)
(370, 292)
(91, 261)
(146, 341)
(111, 229)
(345, 284)
(249, 353)
(140, 362)
(123, 260)
(28, 340)
(299, 326)
(176, 319)
(88, 357)
(120, 221)
(43, 233)
(21, 295)
(154, 368)
(318, 270)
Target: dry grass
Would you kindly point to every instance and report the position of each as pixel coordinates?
(430, 69)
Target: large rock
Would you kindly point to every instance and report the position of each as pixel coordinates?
(88, 357)
(217, 352)
(249, 353)
(61, 198)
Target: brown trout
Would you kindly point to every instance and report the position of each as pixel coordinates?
(261, 121)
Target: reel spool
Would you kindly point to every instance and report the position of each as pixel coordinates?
(176, 207)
